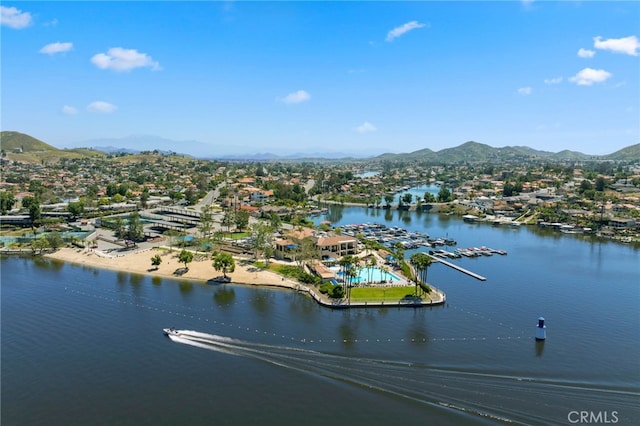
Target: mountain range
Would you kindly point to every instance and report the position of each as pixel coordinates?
(14, 142)
(192, 148)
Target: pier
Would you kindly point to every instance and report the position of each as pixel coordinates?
(457, 268)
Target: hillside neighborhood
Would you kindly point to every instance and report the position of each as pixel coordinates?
(174, 196)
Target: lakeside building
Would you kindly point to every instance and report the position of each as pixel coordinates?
(622, 223)
(325, 274)
(337, 246)
(328, 247)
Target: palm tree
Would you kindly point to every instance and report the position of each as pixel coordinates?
(351, 274)
(371, 263)
(347, 263)
(385, 271)
(357, 267)
(421, 263)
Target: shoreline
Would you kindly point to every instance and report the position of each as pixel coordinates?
(139, 262)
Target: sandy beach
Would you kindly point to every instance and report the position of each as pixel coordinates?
(201, 268)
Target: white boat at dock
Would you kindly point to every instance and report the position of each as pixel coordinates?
(483, 251)
(394, 236)
(466, 252)
(445, 254)
(500, 252)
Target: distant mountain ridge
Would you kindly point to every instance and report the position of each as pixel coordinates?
(12, 142)
(474, 152)
(138, 143)
(267, 156)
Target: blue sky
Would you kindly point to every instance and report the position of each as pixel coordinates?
(353, 77)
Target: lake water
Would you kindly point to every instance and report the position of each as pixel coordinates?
(82, 346)
(417, 191)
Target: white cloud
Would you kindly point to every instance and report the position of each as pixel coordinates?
(403, 29)
(554, 80)
(69, 110)
(119, 59)
(101, 107)
(14, 18)
(57, 47)
(296, 97)
(525, 90)
(588, 76)
(627, 45)
(586, 53)
(365, 127)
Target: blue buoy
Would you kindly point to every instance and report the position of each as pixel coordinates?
(541, 329)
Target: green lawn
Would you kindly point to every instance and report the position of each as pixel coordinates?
(358, 294)
(383, 294)
(237, 235)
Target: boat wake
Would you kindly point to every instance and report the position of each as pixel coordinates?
(493, 397)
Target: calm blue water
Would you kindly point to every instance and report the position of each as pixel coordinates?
(418, 191)
(83, 346)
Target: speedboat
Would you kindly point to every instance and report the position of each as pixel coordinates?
(171, 331)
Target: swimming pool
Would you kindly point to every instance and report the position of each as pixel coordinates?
(28, 238)
(370, 274)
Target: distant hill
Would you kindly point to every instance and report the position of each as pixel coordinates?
(138, 143)
(474, 152)
(21, 147)
(569, 155)
(629, 153)
(267, 156)
(116, 150)
(19, 142)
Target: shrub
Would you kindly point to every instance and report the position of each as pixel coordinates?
(334, 291)
(337, 292)
(326, 288)
(307, 278)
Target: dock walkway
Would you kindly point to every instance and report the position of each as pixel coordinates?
(457, 268)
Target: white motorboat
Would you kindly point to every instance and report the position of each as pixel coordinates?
(171, 331)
